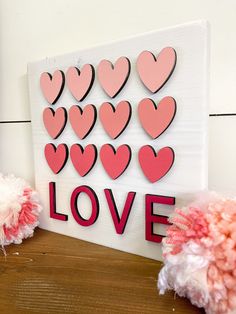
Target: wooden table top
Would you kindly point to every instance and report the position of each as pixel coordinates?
(51, 273)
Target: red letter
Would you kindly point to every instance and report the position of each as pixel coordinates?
(52, 202)
(74, 208)
(119, 222)
(152, 218)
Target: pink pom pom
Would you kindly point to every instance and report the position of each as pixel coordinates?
(19, 210)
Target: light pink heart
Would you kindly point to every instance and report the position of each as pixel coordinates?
(80, 82)
(83, 159)
(115, 120)
(114, 161)
(156, 119)
(112, 78)
(155, 165)
(56, 156)
(52, 85)
(155, 71)
(55, 121)
(82, 120)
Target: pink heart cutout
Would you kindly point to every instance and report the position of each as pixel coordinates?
(114, 161)
(115, 120)
(154, 72)
(52, 85)
(156, 119)
(55, 121)
(113, 77)
(56, 156)
(155, 166)
(80, 82)
(82, 120)
(83, 159)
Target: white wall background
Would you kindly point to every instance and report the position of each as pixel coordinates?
(34, 29)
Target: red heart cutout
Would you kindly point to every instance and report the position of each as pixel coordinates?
(56, 156)
(80, 81)
(154, 72)
(52, 85)
(114, 161)
(83, 159)
(82, 120)
(54, 121)
(115, 120)
(156, 119)
(113, 77)
(155, 166)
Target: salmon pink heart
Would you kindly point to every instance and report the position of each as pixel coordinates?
(82, 120)
(81, 81)
(155, 72)
(156, 119)
(114, 161)
(56, 156)
(155, 165)
(111, 77)
(115, 120)
(52, 85)
(54, 121)
(83, 159)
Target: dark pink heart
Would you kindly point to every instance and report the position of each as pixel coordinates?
(115, 120)
(113, 77)
(154, 72)
(155, 165)
(80, 81)
(82, 120)
(54, 121)
(56, 156)
(114, 161)
(52, 85)
(156, 119)
(83, 159)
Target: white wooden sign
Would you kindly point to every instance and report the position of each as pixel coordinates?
(120, 136)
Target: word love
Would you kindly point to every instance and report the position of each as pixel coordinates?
(153, 165)
(155, 119)
(153, 71)
(119, 220)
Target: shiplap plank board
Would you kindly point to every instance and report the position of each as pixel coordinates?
(16, 154)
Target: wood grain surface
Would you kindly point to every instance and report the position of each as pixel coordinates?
(51, 273)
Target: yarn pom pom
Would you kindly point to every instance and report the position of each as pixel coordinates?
(19, 210)
(200, 254)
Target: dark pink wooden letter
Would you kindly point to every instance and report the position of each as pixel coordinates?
(52, 203)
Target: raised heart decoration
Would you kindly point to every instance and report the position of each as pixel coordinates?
(82, 120)
(83, 159)
(56, 156)
(156, 119)
(112, 78)
(54, 121)
(80, 82)
(154, 72)
(114, 161)
(52, 85)
(155, 165)
(115, 120)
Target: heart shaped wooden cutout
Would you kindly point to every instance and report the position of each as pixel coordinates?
(114, 161)
(81, 81)
(83, 159)
(155, 165)
(154, 71)
(56, 156)
(82, 120)
(52, 85)
(54, 121)
(111, 77)
(156, 119)
(115, 120)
